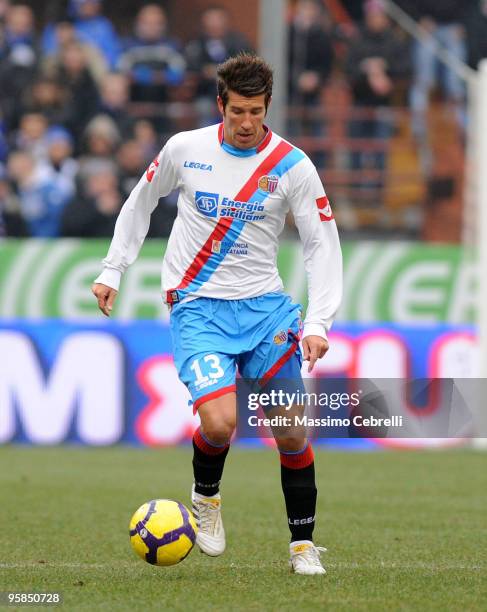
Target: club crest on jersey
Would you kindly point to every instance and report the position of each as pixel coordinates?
(326, 214)
(151, 170)
(280, 338)
(268, 183)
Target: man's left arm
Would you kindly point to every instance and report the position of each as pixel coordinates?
(322, 260)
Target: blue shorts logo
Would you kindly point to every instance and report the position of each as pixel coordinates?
(207, 203)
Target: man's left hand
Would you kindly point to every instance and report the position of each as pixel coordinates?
(314, 347)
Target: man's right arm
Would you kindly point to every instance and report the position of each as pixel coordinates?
(133, 222)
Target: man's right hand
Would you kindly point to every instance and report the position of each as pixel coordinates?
(105, 296)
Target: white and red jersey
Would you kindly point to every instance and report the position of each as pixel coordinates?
(231, 209)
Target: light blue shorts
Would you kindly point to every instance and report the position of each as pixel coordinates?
(212, 338)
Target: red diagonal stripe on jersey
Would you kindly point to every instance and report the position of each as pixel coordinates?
(223, 225)
(282, 149)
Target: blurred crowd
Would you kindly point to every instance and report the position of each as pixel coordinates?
(84, 110)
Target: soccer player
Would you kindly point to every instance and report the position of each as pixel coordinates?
(237, 180)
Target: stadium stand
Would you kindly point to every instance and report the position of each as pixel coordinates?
(72, 99)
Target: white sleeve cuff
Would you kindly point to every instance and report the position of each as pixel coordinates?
(314, 329)
(110, 277)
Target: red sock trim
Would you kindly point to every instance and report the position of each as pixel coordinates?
(296, 461)
(206, 446)
(213, 395)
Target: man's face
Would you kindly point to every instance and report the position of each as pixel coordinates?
(151, 23)
(115, 91)
(243, 120)
(215, 23)
(376, 21)
(89, 8)
(20, 20)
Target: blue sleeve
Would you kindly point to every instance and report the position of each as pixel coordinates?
(174, 76)
(110, 44)
(49, 40)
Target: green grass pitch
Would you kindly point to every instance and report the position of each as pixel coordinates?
(404, 531)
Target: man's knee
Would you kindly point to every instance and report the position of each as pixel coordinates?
(291, 444)
(218, 431)
(218, 418)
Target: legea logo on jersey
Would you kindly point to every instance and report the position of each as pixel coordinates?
(207, 203)
(198, 166)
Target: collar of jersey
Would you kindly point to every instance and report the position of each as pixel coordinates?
(244, 152)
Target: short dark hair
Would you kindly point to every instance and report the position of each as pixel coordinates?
(245, 74)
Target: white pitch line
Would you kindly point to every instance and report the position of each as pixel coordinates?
(417, 565)
(48, 564)
(337, 565)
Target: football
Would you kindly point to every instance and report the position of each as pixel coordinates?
(163, 532)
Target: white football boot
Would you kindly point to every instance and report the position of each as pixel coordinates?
(305, 558)
(207, 513)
